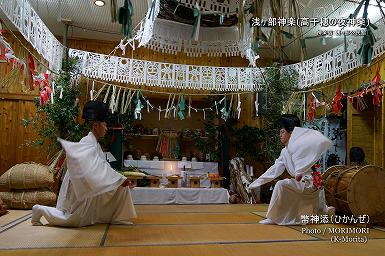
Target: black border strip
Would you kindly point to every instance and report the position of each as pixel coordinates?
(15, 220)
(104, 238)
(15, 223)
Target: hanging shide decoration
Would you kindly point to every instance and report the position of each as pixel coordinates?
(145, 32)
(197, 22)
(334, 105)
(42, 80)
(175, 107)
(29, 24)
(275, 38)
(336, 102)
(113, 10)
(320, 69)
(311, 108)
(376, 91)
(7, 54)
(126, 70)
(125, 18)
(256, 104)
(138, 107)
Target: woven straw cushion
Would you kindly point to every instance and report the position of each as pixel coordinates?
(28, 198)
(27, 176)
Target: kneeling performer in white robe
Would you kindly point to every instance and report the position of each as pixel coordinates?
(91, 192)
(293, 198)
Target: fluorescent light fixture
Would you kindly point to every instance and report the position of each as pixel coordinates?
(99, 3)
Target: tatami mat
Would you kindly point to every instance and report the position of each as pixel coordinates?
(200, 208)
(25, 235)
(261, 214)
(196, 218)
(193, 234)
(13, 215)
(192, 230)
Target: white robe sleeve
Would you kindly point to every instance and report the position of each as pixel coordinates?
(273, 172)
(306, 147)
(89, 174)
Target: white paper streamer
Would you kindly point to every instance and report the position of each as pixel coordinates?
(107, 93)
(216, 107)
(92, 91)
(304, 106)
(128, 101)
(239, 106)
(256, 104)
(168, 102)
(123, 101)
(116, 103)
(53, 91)
(172, 105)
(99, 92)
(174, 111)
(112, 99)
(231, 103)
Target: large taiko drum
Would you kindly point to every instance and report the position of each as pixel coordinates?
(356, 190)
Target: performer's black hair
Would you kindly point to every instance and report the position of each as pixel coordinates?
(95, 111)
(289, 121)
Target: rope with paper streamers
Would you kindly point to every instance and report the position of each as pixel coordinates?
(175, 107)
(355, 97)
(25, 47)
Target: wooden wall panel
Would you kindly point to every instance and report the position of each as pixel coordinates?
(16, 103)
(365, 128)
(363, 134)
(13, 134)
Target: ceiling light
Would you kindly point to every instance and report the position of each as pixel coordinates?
(99, 3)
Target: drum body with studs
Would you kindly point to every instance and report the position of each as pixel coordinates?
(356, 190)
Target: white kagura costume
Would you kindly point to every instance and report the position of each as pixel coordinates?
(91, 191)
(291, 198)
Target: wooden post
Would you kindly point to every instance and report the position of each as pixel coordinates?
(67, 23)
(349, 127)
(383, 129)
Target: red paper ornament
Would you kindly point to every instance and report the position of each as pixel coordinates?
(311, 109)
(336, 103)
(377, 94)
(31, 71)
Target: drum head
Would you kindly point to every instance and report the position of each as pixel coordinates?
(366, 191)
(334, 168)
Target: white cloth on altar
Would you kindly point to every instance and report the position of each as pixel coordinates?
(290, 198)
(91, 191)
(144, 195)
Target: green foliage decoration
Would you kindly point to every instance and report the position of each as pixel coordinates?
(278, 85)
(59, 119)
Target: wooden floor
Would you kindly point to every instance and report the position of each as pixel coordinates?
(194, 230)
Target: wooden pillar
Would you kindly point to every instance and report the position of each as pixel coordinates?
(383, 128)
(349, 127)
(66, 23)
